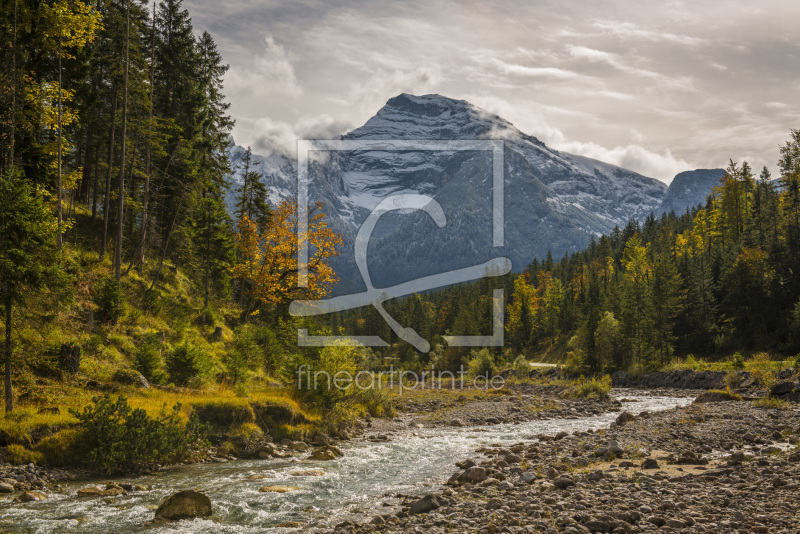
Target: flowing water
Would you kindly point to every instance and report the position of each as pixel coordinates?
(353, 487)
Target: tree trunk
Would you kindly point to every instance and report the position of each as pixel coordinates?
(164, 250)
(13, 89)
(94, 187)
(9, 349)
(148, 168)
(121, 207)
(60, 189)
(107, 200)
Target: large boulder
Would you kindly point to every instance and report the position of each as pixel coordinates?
(329, 452)
(781, 388)
(185, 505)
(625, 417)
(473, 475)
(424, 505)
(130, 377)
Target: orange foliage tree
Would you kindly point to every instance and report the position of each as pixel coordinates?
(267, 260)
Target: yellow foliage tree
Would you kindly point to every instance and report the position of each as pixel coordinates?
(267, 260)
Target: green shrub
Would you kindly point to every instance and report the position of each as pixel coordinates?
(796, 362)
(18, 455)
(270, 353)
(376, 402)
(119, 439)
(738, 361)
(109, 298)
(592, 389)
(186, 364)
(761, 369)
(65, 448)
(243, 358)
(148, 361)
(481, 363)
(521, 366)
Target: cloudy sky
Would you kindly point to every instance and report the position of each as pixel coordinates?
(655, 86)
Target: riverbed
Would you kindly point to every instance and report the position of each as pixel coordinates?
(367, 480)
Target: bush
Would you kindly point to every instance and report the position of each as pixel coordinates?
(481, 363)
(65, 448)
(242, 358)
(18, 455)
(521, 366)
(148, 361)
(109, 297)
(738, 361)
(376, 402)
(592, 389)
(761, 369)
(119, 439)
(185, 364)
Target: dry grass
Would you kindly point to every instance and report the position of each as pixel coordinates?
(26, 425)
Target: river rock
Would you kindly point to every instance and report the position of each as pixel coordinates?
(563, 482)
(277, 489)
(781, 388)
(184, 505)
(6, 487)
(329, 452)
(30, 496)
(625, 417)
(473, 475)
(714, 396)
(650, 463)
(133, 487)
(597, 526)
(424, 505)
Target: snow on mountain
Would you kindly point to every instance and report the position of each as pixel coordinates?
(553, 200)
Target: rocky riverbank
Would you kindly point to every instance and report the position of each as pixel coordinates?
(516, 403)
(711, 467)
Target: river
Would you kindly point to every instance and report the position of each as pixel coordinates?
(353, 487)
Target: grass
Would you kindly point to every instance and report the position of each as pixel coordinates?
(592, 388)
(26, 425)
(727, 394)
(772, 403)
(756, 363)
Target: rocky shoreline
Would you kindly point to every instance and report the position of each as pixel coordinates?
(711, 467)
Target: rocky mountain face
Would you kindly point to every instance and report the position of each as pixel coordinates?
(689, 188)
(552, 200)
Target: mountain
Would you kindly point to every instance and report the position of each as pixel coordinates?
(688, 189)
(553, 200)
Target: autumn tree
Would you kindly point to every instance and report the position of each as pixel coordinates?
(267, 259)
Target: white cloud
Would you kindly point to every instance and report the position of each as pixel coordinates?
(634, 157)
(268, 73)
(537, 72)
(631, 31)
